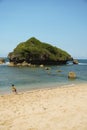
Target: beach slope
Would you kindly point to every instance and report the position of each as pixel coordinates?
(63, 108)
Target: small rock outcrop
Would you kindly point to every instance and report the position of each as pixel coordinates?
(72, 75)
(11, 64)
(75, 61)
(2, 60)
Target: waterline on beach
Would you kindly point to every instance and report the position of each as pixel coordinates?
(27, 78)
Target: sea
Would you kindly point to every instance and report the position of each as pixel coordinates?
(29, 78)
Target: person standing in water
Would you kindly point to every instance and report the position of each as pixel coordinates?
(14, 90)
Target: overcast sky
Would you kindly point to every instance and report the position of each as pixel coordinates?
(62, 23)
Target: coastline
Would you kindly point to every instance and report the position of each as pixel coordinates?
(59, 108)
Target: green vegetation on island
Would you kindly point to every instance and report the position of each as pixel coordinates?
(36, 52)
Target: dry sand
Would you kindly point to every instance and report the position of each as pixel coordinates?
(63, 108)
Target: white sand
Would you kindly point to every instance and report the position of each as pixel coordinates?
(62, 108)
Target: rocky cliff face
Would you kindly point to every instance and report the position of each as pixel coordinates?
(36, 52)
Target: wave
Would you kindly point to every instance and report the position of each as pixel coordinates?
(82, 63)
(6, 63)
(69, 63)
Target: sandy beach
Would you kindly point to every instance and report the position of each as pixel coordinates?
(63, 108)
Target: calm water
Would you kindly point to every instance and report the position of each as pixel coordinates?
(26, 78)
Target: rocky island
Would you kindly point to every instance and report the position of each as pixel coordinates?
(36, 52)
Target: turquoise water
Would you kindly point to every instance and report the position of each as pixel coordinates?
(26, 78)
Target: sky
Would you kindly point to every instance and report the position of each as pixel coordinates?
(62, 23)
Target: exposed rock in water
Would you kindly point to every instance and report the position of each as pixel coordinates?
(2, 60)
(72, 75)
(34, 51)
(75, 61)
(11, 64)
